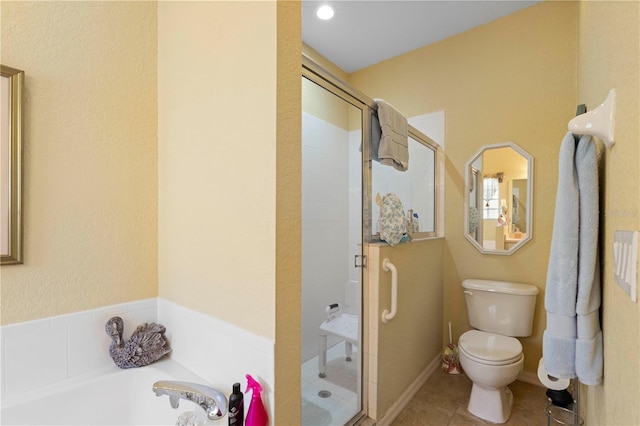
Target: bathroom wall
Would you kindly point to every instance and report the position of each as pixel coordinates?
(228, 177)
(609, 57)
(217, 159)
(513, 79)
(229, 173)
(325, 224)
(402, 352)
(90, 155)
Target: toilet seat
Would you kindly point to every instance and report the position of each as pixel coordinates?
(490, 349)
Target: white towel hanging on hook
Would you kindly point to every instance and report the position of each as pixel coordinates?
(598, 122)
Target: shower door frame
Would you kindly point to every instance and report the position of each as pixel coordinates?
(315, 73)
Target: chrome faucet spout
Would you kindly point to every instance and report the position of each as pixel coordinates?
(212, 401)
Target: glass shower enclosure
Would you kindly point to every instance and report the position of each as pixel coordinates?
(332, 211)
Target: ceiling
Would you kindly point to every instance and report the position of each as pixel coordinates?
(363, 33)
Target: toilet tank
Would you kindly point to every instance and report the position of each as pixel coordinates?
(500, 307)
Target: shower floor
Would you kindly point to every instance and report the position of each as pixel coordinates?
(341, 382)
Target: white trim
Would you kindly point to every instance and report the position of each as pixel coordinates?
(406, 396)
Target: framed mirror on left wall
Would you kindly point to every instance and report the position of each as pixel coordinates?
(11, 122)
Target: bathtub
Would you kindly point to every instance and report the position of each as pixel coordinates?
(116, 397)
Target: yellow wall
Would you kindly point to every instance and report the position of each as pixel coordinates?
(511, 80)
(90, 155)
(150, 162)
(609, 57)
(217, 159)
(408, 342)
(229, 129)
(325, 105)
(288, 214)
(520, 79)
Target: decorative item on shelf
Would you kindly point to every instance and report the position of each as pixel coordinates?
(392, 220)
(146, 345)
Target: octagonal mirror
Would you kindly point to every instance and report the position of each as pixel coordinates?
(499, 198)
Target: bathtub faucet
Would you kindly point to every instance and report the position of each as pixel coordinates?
(212, 401)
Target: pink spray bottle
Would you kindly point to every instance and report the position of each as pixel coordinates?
(256, 415)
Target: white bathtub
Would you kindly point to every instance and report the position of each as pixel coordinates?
(118, 397)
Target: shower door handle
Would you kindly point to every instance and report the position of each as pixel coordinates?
(363, 263)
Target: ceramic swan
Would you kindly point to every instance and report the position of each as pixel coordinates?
(146, 345)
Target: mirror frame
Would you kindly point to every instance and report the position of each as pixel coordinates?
(468, 186)
(11, 188)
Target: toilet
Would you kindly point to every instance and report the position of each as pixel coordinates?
(490, 355)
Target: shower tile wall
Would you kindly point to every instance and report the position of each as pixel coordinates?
(50, 351)
(219, 352)
(43, 352)
(325, 224)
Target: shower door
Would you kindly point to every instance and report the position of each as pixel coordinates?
(332, 152)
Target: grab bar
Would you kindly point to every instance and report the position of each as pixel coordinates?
(388, 266)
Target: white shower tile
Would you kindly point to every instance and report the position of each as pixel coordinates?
(372, 412)
(373, 341)
(35, 359)
(46, 351)
(133, 319)
(373, 371)
(3, 385)
(106, 312)
(143, 305)
(374, 314)
(88, 347)
(28, 327)
(373, 399)
(374, 289)
(220, 352)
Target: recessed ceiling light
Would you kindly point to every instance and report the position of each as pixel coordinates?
(325, 12)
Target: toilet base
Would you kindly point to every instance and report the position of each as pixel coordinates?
(493, 405)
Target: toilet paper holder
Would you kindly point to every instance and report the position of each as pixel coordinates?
(568, 415)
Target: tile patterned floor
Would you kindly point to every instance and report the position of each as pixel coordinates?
(442, 401)
(341, 382)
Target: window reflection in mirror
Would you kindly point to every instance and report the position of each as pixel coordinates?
(499, 202)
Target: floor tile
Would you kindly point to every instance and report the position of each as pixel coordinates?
(442, 401)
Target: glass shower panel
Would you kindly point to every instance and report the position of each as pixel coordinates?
(331, 241)
(416, 187)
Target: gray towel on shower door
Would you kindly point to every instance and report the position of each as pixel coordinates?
(394, 144)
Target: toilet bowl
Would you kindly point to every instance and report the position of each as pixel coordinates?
(492, 362)
(490, 354)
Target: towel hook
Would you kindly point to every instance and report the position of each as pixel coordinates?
(598, 122)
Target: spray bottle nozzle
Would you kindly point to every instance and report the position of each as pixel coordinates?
(253, 385)
(256, 415)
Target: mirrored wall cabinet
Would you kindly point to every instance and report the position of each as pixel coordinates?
(499, 198)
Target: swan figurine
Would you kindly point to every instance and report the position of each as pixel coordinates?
(146, 345)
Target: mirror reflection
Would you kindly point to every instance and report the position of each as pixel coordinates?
(499, 201)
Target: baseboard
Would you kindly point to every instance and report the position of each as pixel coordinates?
(530, 378)
(409, 393)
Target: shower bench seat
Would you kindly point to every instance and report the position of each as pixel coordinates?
(344, 326)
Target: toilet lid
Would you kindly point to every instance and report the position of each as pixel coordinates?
(489, 348)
